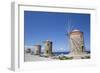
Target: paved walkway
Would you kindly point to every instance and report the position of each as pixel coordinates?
(29, 57)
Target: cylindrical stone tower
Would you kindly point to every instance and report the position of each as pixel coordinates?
(48, 48)
(37, 49)
(76, 42)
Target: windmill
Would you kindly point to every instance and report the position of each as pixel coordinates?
(48, 48)
(75, 39)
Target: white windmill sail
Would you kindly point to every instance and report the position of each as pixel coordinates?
(69, 28)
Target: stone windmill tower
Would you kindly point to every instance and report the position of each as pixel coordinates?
(76, 42)
(37, 49)
(48, 48)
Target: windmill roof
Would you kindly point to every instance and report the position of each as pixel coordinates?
(75, 30)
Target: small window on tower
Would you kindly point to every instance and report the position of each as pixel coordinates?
(47, 44)
(82, 48)
(47, 51)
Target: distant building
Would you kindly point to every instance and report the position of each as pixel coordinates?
(37, 49)
(28, 50)
(48, 48)
(76, 42)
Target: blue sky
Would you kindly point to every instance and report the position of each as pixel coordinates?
(41, 26)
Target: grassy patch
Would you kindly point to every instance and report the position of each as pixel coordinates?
(65, 58)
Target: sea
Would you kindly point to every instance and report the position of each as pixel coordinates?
(59, 53)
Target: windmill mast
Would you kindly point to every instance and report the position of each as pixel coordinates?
(69, 29)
